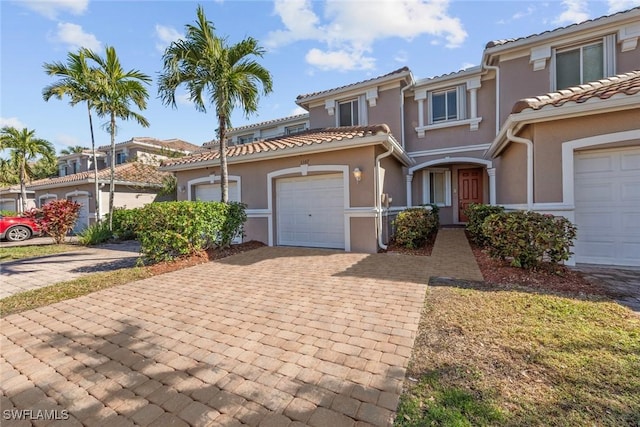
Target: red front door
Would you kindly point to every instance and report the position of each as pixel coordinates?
(469, 190)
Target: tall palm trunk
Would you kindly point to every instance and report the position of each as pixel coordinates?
(112, 185)
(23, 186)
(96, 189)
(224, 175)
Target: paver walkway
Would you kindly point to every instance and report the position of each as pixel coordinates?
(25, 274)
(271, 337)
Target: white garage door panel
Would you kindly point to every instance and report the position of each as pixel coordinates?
(310, 211)
(607, 199)
(83, 216)
(8, 205)
(212, 192)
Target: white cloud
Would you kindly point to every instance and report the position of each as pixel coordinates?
(74, 37)
(466, 65)
(165, 36)
(522, 14)
(618, 5)
(349, 34)
(12, 122)
(342, 60)
(298, 110)
(401, 56)
(575, 11)
(183, 99)
(51, 8)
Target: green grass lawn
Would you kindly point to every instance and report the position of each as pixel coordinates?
(21, 252)
(486, 356)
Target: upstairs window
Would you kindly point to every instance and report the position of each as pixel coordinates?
(348, 113)
(290, 130)
(579, 65)
(447, 105)
(245, 139)
(121, 157)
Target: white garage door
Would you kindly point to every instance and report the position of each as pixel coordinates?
(212, 192)
(83, 216)
(310, 211)
(607, 199)
(8, 205)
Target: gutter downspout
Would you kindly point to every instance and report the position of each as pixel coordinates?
(529, 144)
(378, 195)
(410, 85)
(497, 70)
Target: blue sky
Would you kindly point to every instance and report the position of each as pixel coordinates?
(311, 46)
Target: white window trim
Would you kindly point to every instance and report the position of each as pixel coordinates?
(465, 117)
(363, 119)
(426, 186)
(608, 56)
(461, 104)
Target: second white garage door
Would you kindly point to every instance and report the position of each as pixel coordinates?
(607, 199)
(310, 211)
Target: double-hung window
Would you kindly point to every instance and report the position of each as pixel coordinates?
(348, 113)
(579, 65)
(437, 187)
(290, 130)
(447, 105)
(121, 157)
(245, 139)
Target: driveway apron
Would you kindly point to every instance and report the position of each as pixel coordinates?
(270, 337)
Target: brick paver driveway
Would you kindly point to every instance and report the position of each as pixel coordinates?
(273, 337)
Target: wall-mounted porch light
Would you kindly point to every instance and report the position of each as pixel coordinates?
(357, 174)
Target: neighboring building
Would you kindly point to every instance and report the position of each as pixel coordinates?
(11, 199)
(453, 140)
(137, 178)
(269, 129)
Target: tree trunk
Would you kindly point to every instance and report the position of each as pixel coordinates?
(224, 175)
(23, 184)
(96, 188)
(112, 185)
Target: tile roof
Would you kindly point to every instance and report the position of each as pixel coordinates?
(622, 84)
(303, 139)
(309, 95)
(267, 123)
(134, 172)
(502, 42)
(174, 143)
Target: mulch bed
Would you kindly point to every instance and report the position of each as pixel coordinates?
(205, 256)
(546, 277)
(424, 250)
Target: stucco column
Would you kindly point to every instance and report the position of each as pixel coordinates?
(409, 179)
(492, 185)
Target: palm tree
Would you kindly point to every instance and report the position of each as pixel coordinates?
(227, 74)
(117, 89)
(73, 150)
(23, 146)
(78, 82)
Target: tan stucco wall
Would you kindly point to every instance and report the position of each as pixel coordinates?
(511, 175)
(549, 136)
(387, 111)
(320, 118)
(256, 229)
(627, 61)
(363, 232)
(518, 81)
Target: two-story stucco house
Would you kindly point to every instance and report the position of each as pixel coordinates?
(137, 178)
(547, 122)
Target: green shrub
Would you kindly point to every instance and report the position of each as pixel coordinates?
(95, 234)
(476, 214)
(414, 226)
(125, 223)
(5, 212)
(172, 229)
(527, 238)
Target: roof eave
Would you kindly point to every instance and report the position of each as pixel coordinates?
(516, 121)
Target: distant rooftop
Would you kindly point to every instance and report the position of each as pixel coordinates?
(269, 122)
(173, 144)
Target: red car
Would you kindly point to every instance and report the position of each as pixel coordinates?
(16, 229)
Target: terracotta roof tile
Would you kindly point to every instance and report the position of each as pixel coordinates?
(174, 143)
(502, 42)
(302, 139)
(134, 172)
(309, 95)
(622, 84)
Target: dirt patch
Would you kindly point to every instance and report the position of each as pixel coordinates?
(202, 257)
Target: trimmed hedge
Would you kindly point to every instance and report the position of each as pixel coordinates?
(169, 230)
(527, 238)
(125, 223)
(476, 214)
(415, 226)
